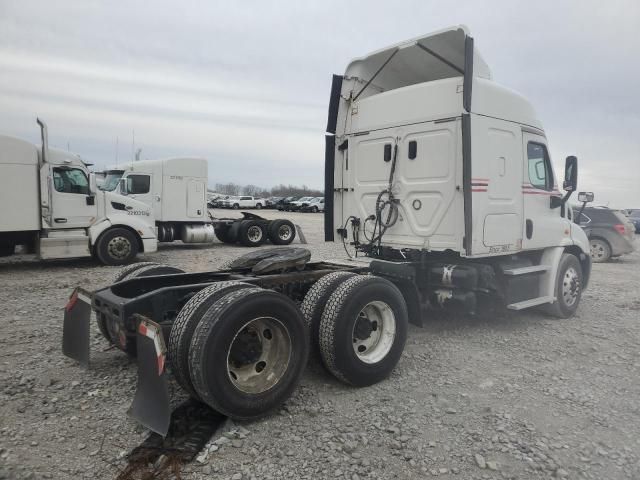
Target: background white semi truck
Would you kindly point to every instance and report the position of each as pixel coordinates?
(175, 189)
(49, 203)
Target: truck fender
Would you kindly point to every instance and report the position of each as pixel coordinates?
(141, 229)
(550, 256)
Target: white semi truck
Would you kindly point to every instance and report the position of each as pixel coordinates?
(438, 177)
(175, 189)
(49, 203)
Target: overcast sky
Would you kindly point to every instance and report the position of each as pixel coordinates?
(246, 84)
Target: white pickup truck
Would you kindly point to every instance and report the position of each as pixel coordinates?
(244, 201)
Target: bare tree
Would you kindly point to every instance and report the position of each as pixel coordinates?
(228, 188)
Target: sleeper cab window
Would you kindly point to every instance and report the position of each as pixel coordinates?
(539, 165)
(138, 184)
(70, 180)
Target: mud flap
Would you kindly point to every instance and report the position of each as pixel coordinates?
(75, 330)
(151, 406)
(301, 236)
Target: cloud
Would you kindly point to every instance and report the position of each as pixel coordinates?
(245, 84)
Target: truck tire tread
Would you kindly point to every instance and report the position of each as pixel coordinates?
(215, 325)
(334, 353)
(185, 324)
(315, 301)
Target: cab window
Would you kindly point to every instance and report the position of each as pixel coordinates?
(540, 174)
(70, 180)
(138, 184)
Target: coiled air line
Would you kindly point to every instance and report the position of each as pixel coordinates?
(385, 200)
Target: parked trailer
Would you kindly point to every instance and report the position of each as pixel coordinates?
(439, 177)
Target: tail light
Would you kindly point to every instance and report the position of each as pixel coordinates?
(620, 228)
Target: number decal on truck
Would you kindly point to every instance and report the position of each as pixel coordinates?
(138, 212)
(500, 248)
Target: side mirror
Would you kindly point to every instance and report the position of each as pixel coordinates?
(92, 184)
(570, 174)
(123, 186)
(585, 197)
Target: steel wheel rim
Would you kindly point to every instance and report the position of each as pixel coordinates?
(374, 332)
(259, 355)
(598, 250)
(119, 247)
(570, 286)
(284, 232)
(254, 233)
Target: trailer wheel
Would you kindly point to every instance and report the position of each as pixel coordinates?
(251, 233)
(185, 324)
(281, 232)
(363, 330)
(568, 290)
(117, 246)
(248, 352)
(315, 301)
(226, 234)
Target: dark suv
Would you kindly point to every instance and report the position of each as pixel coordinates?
(610, 232)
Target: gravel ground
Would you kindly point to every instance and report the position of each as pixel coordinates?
(515, 396)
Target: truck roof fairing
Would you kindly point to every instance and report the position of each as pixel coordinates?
(433, 56)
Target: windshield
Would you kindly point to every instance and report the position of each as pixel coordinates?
(111, 180)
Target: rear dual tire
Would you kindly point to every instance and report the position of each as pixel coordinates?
(186, 323)
(252, 233)
(281, 232)
(239, 348)
(360, 323)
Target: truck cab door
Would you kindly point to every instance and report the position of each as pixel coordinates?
(72, 205)
(543, 226)
(138, 187)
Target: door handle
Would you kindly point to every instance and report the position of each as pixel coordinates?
(60, 220)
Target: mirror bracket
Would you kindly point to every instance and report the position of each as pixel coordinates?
(556, 201)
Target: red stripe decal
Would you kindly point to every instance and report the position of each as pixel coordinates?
(142, 329)
(478, 189)
(160, 364)
(73, 299)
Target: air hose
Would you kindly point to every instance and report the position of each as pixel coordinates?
(386, 200)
